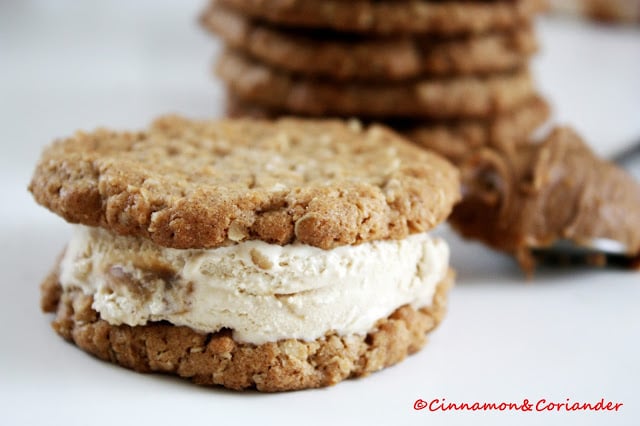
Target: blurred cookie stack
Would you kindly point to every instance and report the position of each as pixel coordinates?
(613, 11)
(451, 74)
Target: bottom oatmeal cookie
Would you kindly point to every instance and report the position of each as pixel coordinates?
(216, 359)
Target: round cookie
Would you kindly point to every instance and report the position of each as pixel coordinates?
(357, 58)
(474, 97)
(393, 17)
(137, 183)
(453, 140)
(216, 359)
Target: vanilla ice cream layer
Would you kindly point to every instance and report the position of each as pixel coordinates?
(263, 292)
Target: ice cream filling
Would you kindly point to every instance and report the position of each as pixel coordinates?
(262, 292)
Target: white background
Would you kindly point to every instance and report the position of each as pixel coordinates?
(574, 334)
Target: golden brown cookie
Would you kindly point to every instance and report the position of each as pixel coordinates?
(188, 184)
(343, 57)
(393, 17)
(476, 97)
(531, 198)
(454, 139)
(216, 359)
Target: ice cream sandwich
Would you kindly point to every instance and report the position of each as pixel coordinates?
(274, 255)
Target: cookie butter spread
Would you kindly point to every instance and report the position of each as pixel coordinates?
(263, 292)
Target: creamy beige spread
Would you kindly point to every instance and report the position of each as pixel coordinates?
(263, 292)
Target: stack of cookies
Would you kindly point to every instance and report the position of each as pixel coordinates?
(452, 74)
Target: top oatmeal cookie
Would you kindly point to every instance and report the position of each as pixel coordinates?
(204, 184)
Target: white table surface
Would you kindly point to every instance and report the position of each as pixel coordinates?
(569, 334)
